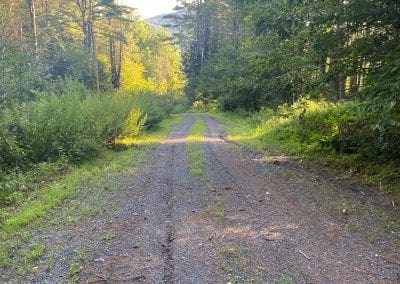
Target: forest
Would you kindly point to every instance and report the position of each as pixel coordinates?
(317, 79)
(314, 78)
(229, 141)
(75, 75)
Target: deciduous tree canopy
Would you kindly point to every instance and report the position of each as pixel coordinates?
(96, 42)
(252, 54)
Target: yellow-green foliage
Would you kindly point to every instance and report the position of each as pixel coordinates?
(74, 126)
(58, 129)
(151, 62)
(324, 127)
(71, 126)
(153, 135)
(134, 123)
(300, 128)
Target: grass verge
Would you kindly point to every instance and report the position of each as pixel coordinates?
(194, 147)
(27, 216)
(271, 135)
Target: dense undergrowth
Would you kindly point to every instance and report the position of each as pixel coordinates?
(350, 135)
(40, 139)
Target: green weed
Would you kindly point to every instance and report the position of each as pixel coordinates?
(42, 138)
(33, 253)
(107, 236)
(219, 208)
(76, 266)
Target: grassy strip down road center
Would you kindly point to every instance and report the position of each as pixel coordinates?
(194, 147)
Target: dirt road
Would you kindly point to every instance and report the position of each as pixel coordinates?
(247, 219)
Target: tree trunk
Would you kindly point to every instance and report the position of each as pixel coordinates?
(116, 63)
(32, 12)
(235, 31)
(120, 65)
(95, 63)
(339, 86)
(112, 60)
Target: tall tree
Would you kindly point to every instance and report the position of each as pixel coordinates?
(32, 12)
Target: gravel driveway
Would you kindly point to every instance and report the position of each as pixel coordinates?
(247, 219)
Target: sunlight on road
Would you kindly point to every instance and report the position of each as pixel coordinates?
(147, 141)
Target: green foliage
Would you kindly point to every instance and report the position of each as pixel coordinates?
(155, 107)
(275, 52)
(268, 56)
(74, 126)
(83, 42)
(344, 128)
(94, 174)
(19, 77)
(71, 61)
(204, 105)
(76, 265)
(134, 123)
(34, 253)
(353, 135)
(67, 126)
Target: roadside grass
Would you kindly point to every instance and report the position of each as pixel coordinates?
(107, 236)
(270, 136)
(31, 255)
(219, 208)
(18, 222)
(194, 147)
(76, 266)
(250, 134)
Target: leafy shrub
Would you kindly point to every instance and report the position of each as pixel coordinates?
(154, 106)
(204, 105)
(74, 126)
(344, 128)
(134, 123)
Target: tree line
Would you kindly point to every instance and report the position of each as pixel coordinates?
(327, 70)
(77, 74)
(98, 43)
(250, 53)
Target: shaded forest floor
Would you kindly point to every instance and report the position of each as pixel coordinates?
(198, 209)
